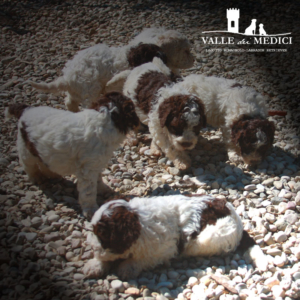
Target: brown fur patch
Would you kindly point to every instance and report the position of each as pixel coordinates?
(148, 85)
(243, 134)
(29, 144)
(172, 109)
(17, 109)
(125, 117)
(216, 209)
(118, 231)
(236, 85)
(246, 242)
(144, 53)
(181, 243)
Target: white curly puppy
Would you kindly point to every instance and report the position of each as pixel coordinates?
(86, 75)
(146, 232)
(174, 44)
(239, 111)
(174, 115)
(54, 142)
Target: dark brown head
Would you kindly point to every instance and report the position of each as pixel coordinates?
(144, 53)
(121, 110)
(183, 116)
(15, 110)
(116, 226)
(253, 137)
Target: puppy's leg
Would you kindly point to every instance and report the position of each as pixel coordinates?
(180, 159)
(33, 172)
(183, 162)
(72, 103)
(129, 268)
(87, 189)
(102, 189)
(95, 268)
(232, 155)
(154, 149)
(36, 170)
(46, 172)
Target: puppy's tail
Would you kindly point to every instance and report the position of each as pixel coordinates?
(248, 244)
(54, 87)
(14, 110)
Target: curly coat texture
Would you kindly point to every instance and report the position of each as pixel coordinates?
(85, 76)
(54, 142)
(168, 226)
(174, 44)
(124, 121)
(239, 111)
(246, 131)
(174, 116)
(171, 114)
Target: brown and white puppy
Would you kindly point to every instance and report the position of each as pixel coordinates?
(85, 76)
(174, 115)
(174, 44)
(239, 111)
(252, 137)
(136, 56)
(54, 142)
(146, 232)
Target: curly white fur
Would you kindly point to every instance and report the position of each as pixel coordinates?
(174, 44)
(162, 139)
(81, 144)
(165, 222)
(86, 75)
(225, 104)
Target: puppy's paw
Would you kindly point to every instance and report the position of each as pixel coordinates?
(154, 150)
(234, 157)
(259, 258)
(128, 270)
(262, 265)
(95, 268)
(182, 164)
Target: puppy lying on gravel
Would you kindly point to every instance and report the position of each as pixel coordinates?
(174, 115)
(85, 76)
(54, 142)
(239, 111)
(146, 232)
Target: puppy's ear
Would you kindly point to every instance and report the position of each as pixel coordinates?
(201, 110)
(238, 129)
(118, 230)
(164, 113)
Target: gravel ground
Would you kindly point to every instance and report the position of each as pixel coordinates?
(42, 231)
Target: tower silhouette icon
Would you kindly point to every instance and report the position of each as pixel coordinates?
(233, 15)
